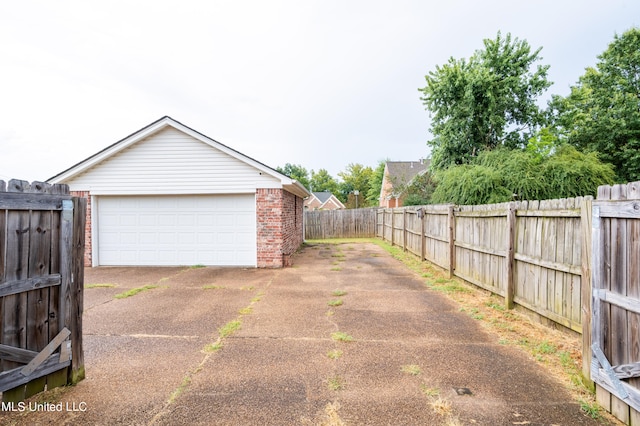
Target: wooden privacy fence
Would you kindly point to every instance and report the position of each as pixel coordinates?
(350, 223)
(529, 252)
(41, 288)
(615, 278)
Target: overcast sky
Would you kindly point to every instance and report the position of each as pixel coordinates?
(316, 83)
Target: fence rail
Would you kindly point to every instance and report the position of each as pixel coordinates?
(531, 253)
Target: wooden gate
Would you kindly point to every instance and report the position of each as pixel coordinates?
(615, 279)
(41, 288)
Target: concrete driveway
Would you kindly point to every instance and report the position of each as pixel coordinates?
(215, 346)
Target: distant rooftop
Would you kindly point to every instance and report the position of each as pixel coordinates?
(323, 196)
(403, 171)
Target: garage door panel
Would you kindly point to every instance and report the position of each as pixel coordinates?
(148, 238)
(177, 230)
(166, 220)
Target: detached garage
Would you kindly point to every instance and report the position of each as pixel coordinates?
(167, 195)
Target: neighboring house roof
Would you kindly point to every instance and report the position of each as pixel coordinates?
(402, 172)
(110, 153)
(324, 200)
(398, 174)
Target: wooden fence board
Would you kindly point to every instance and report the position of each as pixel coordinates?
(541, 256)
(16, 266)
(38, 232)
(351, 223)
(633, 332)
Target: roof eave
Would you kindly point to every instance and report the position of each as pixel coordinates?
(296, 188)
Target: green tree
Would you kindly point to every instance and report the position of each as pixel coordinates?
(504, 175)
(420, 190)
(485, 102)
(322, 181)
(602, 111)
(376, 183)
(356, 177)
(297, 172)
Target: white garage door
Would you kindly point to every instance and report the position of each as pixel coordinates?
(177, 230)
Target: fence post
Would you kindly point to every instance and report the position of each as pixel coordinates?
(393, 228)
(423, 248)
(375, 223)
(77, 371)
(511, 234)
(585, 283)
(452, 240)
(404, 229)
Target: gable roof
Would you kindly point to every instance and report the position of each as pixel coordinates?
(290, 185)
(402, 172)
(324, 198)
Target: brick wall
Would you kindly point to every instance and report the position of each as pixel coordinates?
(292, 226)
(88, 248)
(279, 227)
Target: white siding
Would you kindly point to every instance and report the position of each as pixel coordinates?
(171, 161)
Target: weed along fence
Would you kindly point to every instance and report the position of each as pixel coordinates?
(41, 288)
(528, 252)
(350, 223)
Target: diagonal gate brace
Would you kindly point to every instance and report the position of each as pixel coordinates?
(44, 353)
(617, 383)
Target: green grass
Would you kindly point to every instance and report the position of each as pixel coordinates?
(496, 306)
(246, 311)
(100, 285)
(337, 268)
(412, 369)
(229, 328)
(213, 347)
(334, 354)
(335, 302)
(339, 293)
(183, 386)
(590, 409)
(473, 313)
(213, 287)
(427, 391)
(335, 383)
(340, 336)
(198, 266)
(134, 291)
(545, 347)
